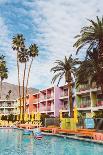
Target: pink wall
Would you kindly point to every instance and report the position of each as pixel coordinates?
(58, 103)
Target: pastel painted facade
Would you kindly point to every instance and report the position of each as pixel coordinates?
(49, 101)
(31, 103)
(45, 101)
(88, 99)
(8, 107)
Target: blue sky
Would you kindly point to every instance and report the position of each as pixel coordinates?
(51, 24)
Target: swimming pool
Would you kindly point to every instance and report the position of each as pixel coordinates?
(13, 142)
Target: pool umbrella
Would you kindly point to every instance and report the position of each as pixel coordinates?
(0, 116)
(21, 117)
(17, 117)
(38, 119)
(26, 117)
(60, 115)
(32, 116)
(75, 114)
(38, 116)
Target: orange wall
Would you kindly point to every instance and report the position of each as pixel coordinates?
(32, 107)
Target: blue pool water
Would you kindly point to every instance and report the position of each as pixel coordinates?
(13, 142)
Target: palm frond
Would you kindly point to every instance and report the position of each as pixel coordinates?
(56, 76)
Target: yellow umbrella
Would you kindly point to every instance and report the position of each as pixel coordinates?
(38, 119)
(26, 117)
(32, 116)
(21, 117)
(60, 115)
(75, 114)
(38, 116)
(17, 117)
(0, 116)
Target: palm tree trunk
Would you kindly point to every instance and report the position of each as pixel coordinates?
(28, 76)
(70, 99)
(19, 92)
(24, 90)
(0, 88)
(28, 79)
(102, 90)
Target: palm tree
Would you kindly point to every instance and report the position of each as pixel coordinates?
(23, 58)
(33, 52)
(3, 72)
(65, 68)
(18, 45)
(90, 70)
(9, 93)
(91, 37)
(7, 97)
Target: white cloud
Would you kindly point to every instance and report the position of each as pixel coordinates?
(5, 48)
(57, 22)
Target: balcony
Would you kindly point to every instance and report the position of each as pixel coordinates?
(46, 108)
(64, 108)
(42, 109)
(64, 96)
(50, 108)
(50, 96)
(99, 102)
(1, 112)
(42, 98)
(85, 105)
(7, 105)
(9, 112)
(83, 88)
(35, 101)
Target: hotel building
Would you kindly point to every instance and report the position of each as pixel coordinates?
(8, 107)
(49, 101)
(89, 99)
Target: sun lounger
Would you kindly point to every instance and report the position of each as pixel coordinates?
(98, 136)
(83, 133)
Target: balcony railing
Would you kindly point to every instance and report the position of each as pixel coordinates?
(6, 105)
(9, 112)
(83, 88)
(42, 108)
(64, 108)
(85, 104)
(46, 108)
(50, 108)
(49, 96)
(9, 105)
(64, 94)
(99, 102)
(42, 98)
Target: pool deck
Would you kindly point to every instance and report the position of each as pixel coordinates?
(75, 137)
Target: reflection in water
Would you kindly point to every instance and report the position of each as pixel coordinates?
(13, 142)
(25, 141)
